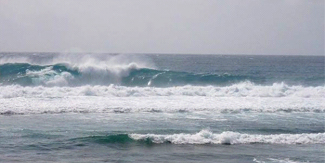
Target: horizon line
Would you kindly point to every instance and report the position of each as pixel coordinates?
(165, 53)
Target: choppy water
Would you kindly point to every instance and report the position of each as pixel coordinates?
(161, 108)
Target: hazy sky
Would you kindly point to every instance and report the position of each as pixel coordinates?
(163, 26)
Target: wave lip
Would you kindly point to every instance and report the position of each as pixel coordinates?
(230, 138)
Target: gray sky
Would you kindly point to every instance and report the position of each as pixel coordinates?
(163, 26)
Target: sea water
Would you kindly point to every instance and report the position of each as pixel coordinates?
(161, 108)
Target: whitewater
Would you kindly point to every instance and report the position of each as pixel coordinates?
(161, 108)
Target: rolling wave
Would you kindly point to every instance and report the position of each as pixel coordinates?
(208, 137)
(230, 138)
(64, 74)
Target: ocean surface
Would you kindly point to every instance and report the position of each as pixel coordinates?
(161, 108)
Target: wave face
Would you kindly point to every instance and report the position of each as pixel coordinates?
(26, 74)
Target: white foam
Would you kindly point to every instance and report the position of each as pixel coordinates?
(95, 104)
(278, 160)
(172, 99)
(245, 89)
(228, 137)
(286, 160)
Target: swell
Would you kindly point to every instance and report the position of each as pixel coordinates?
(161, 78)
(64, 74)
(207, 137)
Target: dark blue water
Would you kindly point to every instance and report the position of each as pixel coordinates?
(161, 108)
(304, 70)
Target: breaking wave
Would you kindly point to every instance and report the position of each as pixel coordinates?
(55, 83)
(208, 137)
(131, 74)
(229, 138)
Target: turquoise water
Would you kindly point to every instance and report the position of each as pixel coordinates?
(161, 108)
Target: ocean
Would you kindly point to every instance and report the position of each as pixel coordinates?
(161, 108)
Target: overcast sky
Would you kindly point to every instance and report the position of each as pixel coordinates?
(163, 26)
